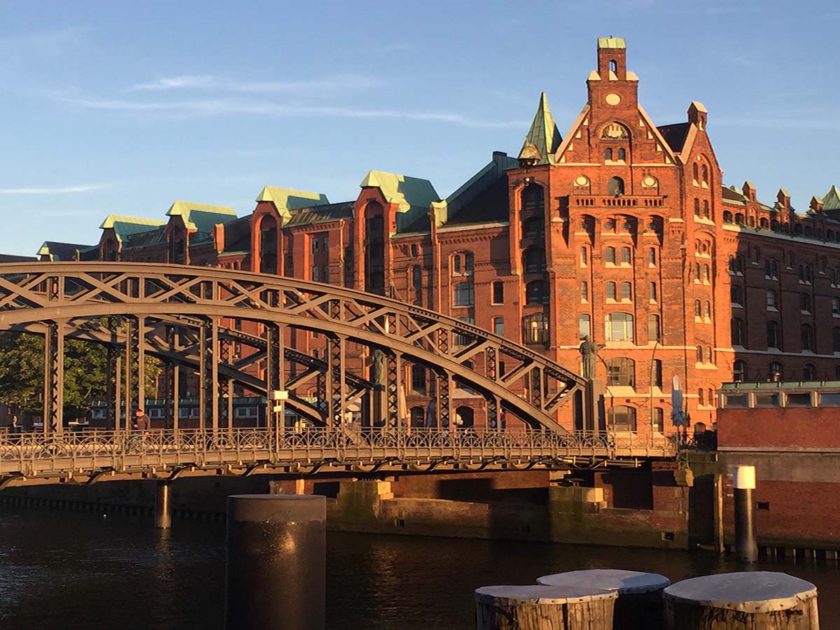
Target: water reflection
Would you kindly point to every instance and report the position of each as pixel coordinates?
(72, 570)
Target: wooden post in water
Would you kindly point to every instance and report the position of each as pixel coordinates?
(538, 607)
(639, 603)
(756, 600)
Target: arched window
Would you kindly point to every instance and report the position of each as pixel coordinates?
(584, 326)
(499, 326)
(533, 228)
(584, 291)
(626, 292)
(701, 397)
(652, 257)
(611, 291)
(773, 339)
(807, 337)
(533, 199)
(737, 331)
(608, 155)
(736, 294)
(805, 302)
(622, 155)
(374, 248)
(613, 66)
(698, 354)
(697, 309)
(763, 223)
(727, 216)
(418, 379)
(695, 173)
(809, 372)
(623, 418)
(739, 218)
(696, 207)
(708, 309)
(536, 292)
(464, 417)
(535, 328)
(609, 255)
(463, 264)
(417, 285)
(619, 327)
(615, 186)
(706, 211)
(626, 256)
(418, 417)
(739, 369)
(653, 328)
(771, 269)
(704, 174)
(621, 372)
(656, 373)
(533, 260)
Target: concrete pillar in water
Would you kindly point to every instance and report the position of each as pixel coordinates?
(743, 478)
(275, 568)
(163, 507)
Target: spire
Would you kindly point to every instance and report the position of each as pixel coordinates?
(831, 201)
(543, 137)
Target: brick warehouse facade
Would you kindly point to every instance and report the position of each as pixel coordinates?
(620, 229)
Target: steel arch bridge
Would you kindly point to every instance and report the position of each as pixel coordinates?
(153, 301)
(190, 316)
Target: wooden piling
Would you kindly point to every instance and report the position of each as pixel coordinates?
(538, 607)
(756, 600)
(639, 603)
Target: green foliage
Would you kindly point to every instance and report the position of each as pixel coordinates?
(85, 373)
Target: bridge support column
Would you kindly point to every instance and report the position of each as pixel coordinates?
(54, 378)
(209, 374)
(275, 570)
(163, 507)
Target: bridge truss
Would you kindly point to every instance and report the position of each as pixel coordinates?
(192, 316)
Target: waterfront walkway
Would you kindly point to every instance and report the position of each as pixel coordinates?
(93, 455)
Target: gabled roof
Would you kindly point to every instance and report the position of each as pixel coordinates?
(406, 192)
(126, 226)
(201, 216)
(831, 200)
(413, 195)
(58, 251)
(732, 194)
(290, 199)
(543, 137)
(675, 135)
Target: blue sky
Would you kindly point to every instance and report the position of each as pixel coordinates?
(117, 106)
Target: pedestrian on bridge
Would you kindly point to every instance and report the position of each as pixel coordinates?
(142, 422)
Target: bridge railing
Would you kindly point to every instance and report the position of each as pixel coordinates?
(89, 451)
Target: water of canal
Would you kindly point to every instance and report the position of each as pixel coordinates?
(78, 570)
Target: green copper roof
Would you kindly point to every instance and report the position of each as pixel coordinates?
(290, 199)
(831, 201)
(126, 226)
(611, 42)
(412, 195)
(201, 216)
(543, 137)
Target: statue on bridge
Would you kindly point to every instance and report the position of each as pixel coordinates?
(379, 367)
(589, 351)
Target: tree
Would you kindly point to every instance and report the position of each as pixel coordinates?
(85, 373)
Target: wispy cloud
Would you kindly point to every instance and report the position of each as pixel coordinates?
(58, 190)
(307, 87)
(225, 106)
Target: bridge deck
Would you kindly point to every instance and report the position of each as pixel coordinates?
(86, 456)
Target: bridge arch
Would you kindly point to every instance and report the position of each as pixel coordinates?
(55, 295)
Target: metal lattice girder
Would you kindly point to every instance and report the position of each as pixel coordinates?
(148, 290)
(54, 377)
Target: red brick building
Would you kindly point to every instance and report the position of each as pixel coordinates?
(620, 229)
